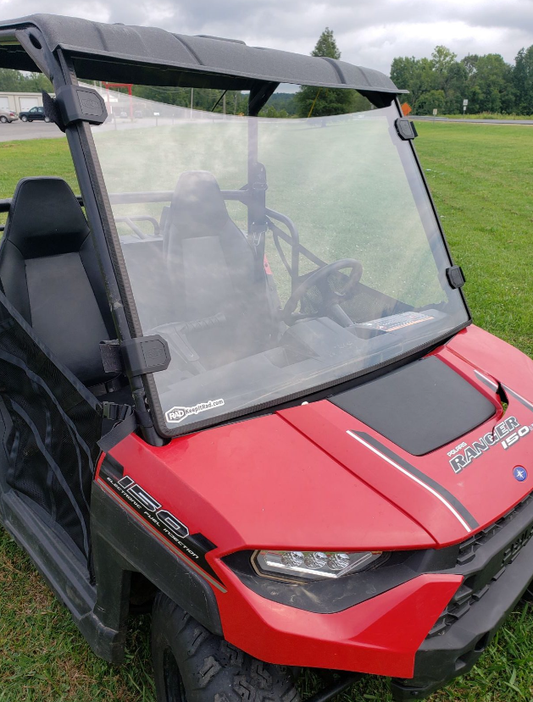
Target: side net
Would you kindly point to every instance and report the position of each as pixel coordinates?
(53, 423)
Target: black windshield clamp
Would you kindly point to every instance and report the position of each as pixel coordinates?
(115, 412)
(138, 356)
(74, 103)
(405, 128)
(456, 277)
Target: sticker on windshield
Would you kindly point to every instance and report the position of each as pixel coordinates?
(397, 321)
(178, 414)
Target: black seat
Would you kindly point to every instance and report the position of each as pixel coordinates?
(214, 274)
(50, 273)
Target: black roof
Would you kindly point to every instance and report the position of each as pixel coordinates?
(107, 51)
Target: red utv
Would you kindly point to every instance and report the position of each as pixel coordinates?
(240, 383)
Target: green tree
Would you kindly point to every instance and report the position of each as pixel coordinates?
(321, 102)
(523, 81)
(326, 45)
(17, 82)
(457, 88)
(432, 100)
(494, 80)
(470, 63)
(488, 82)
(415, 75)
(443, 60)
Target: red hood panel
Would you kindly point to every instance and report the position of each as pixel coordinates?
(314, 477)
(261, 484)
(449, 504)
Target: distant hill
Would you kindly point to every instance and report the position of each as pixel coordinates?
(284, 101)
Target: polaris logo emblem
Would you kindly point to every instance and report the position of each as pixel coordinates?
(506, 433)
(519, 473)
(178, 414)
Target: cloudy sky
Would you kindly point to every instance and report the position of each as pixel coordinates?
(369, 32)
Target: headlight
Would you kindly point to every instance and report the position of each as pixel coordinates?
(312, 565)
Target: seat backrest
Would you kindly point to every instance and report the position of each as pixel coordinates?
(50, 273)
(212, 269)
(215, 262)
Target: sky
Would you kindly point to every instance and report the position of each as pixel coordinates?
(368, 32)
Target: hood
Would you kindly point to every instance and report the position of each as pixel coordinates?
(318, 477)
(447, 439)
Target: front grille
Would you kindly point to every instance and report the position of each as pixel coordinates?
(475, 586)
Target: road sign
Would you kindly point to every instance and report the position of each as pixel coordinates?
(465, 103)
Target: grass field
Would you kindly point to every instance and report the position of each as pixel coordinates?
(482, 181)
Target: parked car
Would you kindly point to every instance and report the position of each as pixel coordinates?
(33, 114)
(7, 116)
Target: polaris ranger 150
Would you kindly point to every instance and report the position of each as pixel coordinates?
(239, 381)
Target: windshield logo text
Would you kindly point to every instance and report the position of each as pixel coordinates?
(178, 414)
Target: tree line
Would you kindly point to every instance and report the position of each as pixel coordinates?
(17, 82)
(441, 82)
(489, 84)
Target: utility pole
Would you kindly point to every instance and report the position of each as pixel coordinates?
(192, 100)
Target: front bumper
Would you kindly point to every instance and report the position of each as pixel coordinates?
(497, 565)
(461, 604)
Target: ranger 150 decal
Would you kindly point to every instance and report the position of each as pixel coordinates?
(506, 433)
(194, 546)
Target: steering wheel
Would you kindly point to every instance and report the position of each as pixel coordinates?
(330, 296)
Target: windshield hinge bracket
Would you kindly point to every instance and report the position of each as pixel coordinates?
(456, 277)
(74, 103)
(405, 128)
(138, 356)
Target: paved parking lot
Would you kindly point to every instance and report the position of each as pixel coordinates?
(43, 130)
(29, 130)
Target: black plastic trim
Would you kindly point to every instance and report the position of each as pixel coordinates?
(125, 535)
(114, 48)
(65, 573)
(145, 354)
(77, 104)
(406, 129)
(455, 276)
(443, 657)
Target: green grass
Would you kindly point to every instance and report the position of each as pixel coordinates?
(39, 157)
(489, 115)
(482, 181)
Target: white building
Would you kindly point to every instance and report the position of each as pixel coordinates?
(19, 102)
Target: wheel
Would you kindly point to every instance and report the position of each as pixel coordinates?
(47, 119)
(3, 119)
(193, 665)
(23, 118)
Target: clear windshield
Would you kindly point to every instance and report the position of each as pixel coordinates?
(275, 256)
